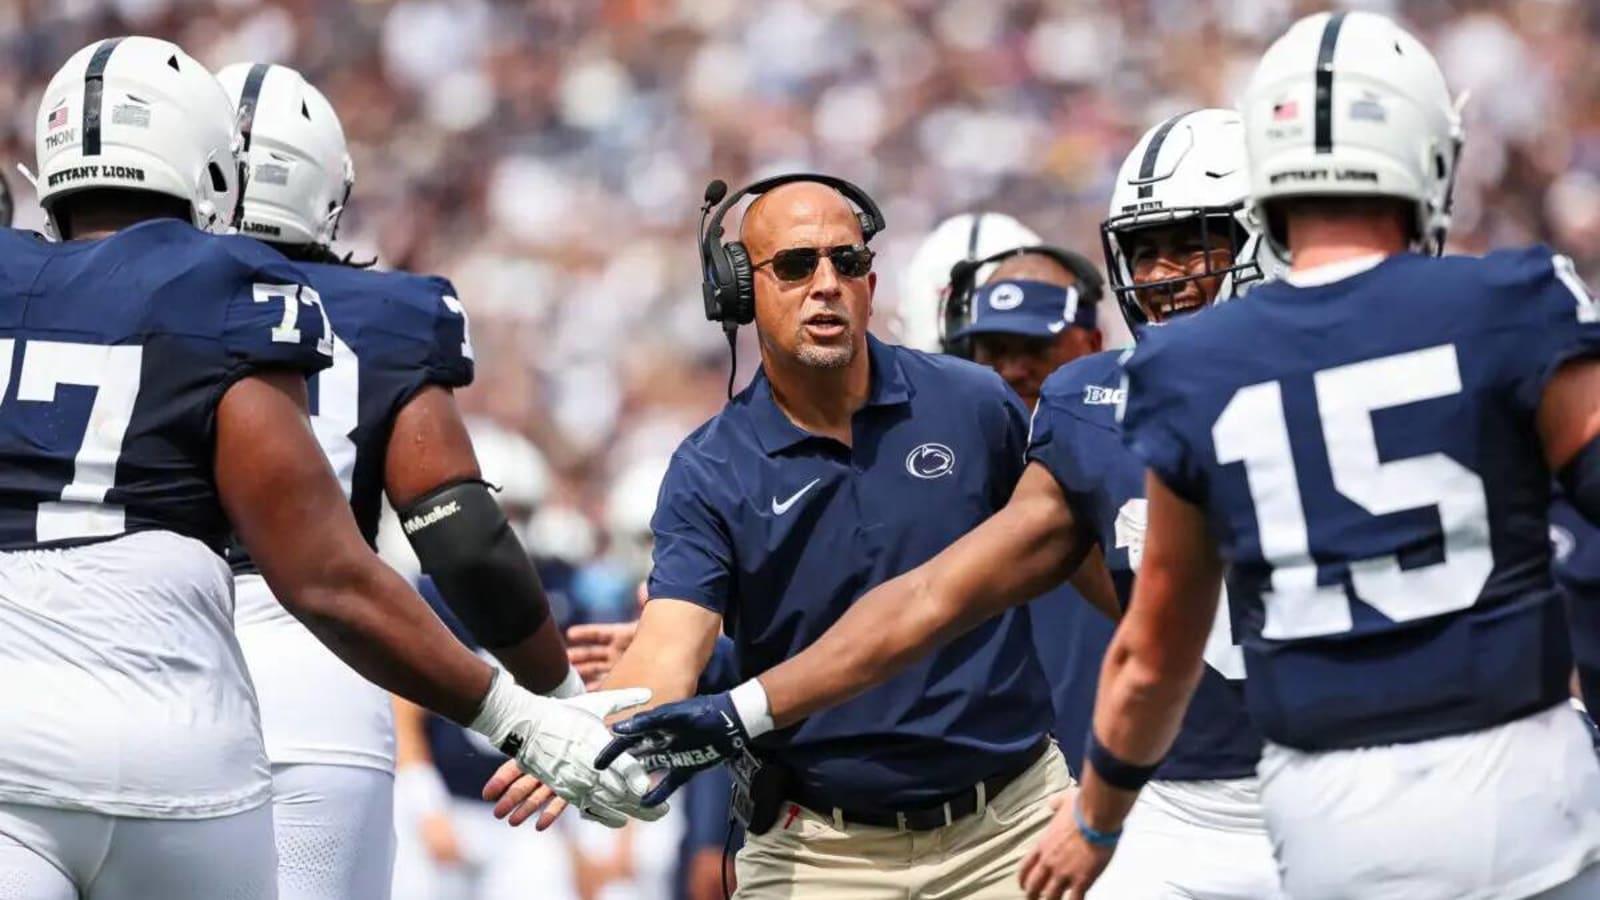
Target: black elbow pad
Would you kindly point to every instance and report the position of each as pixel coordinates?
(467, 547)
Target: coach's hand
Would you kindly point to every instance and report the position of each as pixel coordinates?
(681, 739)
(554, 741)
(1063, 863)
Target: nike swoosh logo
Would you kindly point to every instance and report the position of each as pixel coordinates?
(779, 509)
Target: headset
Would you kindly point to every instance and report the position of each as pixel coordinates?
(728, 284)
(729, 288)
(957, 311)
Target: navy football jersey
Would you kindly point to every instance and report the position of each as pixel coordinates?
(113, 356)
(394, 333)
(1077, 438)
(1366, 454)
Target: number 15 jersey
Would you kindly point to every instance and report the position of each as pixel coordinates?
(1365, 452)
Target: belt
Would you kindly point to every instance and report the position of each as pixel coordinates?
(963, 804)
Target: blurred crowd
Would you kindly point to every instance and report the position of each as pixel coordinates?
(549, 157)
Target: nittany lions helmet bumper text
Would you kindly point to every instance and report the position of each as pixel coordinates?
(137, 113)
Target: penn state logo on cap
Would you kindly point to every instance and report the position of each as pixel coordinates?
(1006, 296)
(930, 461)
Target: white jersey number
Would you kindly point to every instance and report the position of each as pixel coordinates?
(113, 371)
(338, 398)
(1222, 654)
(287, 330)
(1252, 430)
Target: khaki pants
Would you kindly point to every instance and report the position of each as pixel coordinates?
(807, 855)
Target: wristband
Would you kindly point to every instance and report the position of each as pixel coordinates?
(503, 706)
(750, 702)
(1095, 838)
(1113, 771)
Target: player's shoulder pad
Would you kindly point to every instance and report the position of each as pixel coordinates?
(273, 314)
(253, 259)
(417, 318)
(1503, 284)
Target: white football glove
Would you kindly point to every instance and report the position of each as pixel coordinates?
(557, 740)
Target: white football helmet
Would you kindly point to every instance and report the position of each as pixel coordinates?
(299, 163)
(630, 504)
(1189, 168)
(136, 113)
(511, 462)
(919, 319)
(1348, 104)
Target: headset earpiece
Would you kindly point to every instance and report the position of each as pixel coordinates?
(741, 306)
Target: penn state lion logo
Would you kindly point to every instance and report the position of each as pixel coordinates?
(1006, 296)
(1129, 529)
(931, 461)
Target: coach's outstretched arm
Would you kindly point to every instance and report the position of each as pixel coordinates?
(288, 509)
(464, 542)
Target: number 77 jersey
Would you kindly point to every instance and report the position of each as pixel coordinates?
(1366, 455)
(113, 356)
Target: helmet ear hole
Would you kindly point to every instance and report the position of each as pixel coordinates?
(219, 179)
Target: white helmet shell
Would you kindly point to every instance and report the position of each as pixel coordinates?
(511, 462)
(1190, 167)
(630, 504)
(919, 319)
(137, 113)
(1349, 104)
(299, 165)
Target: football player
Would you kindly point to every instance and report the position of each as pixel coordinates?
(385, 416)
(1367, 447)
(1179, 238)
(152, 401)
(918, 320)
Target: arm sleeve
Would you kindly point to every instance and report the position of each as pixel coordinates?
(693, 555)
(1152, 421)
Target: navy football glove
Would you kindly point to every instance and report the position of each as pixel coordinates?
(682, 738)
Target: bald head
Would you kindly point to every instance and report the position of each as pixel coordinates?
(1033, 267)
(795, 215)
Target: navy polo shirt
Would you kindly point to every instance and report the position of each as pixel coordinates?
(779, 531)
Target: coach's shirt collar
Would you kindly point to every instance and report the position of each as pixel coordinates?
(777, 433)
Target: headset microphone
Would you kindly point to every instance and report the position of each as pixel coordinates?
(715, 191)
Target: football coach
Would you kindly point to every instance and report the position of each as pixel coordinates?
(844, 463)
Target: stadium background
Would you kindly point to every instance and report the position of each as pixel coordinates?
(549, 158)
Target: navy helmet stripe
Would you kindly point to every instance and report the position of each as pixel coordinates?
(94, 78)
(1152, 152)
(249, 98)
(1323, 119)
(972, 236)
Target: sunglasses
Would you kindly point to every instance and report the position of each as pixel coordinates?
(797, 263)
